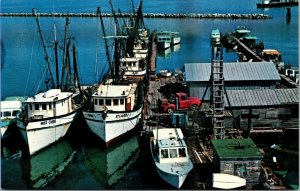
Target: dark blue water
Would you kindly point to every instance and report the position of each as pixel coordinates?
(23, 66)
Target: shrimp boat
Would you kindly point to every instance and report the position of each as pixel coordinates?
(10, 107)
(47, 116)
(115, 106)
(170, 155)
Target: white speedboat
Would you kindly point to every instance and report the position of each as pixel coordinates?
(227, 181)
(10, 107)
(170, 155)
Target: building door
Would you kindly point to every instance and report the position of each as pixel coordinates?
(128, 104)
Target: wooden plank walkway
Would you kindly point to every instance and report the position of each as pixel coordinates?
(248, 50)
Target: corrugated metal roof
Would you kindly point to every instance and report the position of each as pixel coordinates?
(233, 71)
(262, 97)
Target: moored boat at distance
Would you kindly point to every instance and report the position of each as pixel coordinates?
(276, 3)
(10, 107)
(175, 38)
(215, 36)
(165, 73)
(163, 39)
(170, 155)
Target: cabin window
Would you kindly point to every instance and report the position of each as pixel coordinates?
(181, 152)
(6, 114)
(121, 101)
(30, 106)
(173, 153)
(124, 64)
(36, 106)
(164, 153)
(54, 106)
(133, 64)
(50, 105)
(183, 98)
(1, 114)
(15, 112)
(96, 101)
(101, 102)
(108, 102)
(44, 106)
(115, 101)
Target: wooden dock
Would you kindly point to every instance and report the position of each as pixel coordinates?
(247, 50)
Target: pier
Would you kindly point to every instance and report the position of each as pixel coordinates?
(252, 16)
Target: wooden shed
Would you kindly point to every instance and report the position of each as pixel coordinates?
(239, 157)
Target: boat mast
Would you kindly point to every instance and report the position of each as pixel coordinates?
(105, 40)
(44, 47)
(76, 77)
(64, 59)
(56, 57)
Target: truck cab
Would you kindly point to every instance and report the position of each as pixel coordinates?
(179, 101)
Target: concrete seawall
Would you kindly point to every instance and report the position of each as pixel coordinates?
(148, 15)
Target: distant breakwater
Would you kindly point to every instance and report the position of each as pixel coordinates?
(147, 15)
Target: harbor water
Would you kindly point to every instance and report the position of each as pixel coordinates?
(78, 161)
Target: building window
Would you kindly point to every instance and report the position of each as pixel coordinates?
(115, 101)
(121, 101)
(164, 153)
(36, 106)
(108, 102)
(44, 106)
(240, 170)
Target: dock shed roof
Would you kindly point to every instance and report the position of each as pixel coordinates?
(236, 148)
(258, 98)
(233, 71)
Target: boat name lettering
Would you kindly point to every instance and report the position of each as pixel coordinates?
(123, 115)
(48, 122)
(90, 116)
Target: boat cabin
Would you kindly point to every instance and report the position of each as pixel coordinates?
(132, 66)
(10, 109)
(170, 145)
(49, 104)
(215, 36)
(114, 97)
(241, 31)
(140, 49)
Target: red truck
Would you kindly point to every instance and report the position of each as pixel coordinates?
(180, 101)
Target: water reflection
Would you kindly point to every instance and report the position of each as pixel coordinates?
(108, 166)
(43, 167)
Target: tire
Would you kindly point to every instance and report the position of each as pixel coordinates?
(170, 110)
(194, 107)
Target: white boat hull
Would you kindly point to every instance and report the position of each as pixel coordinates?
(227, 181)
(175, 40)
(170, 176)
(164, 45)
(114, 125)
(39, 134)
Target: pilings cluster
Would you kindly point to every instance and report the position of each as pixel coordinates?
(148, 15)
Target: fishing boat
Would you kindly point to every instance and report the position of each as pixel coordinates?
(133, 67)
(10, 107)
(47, 116)
(227, 181)
(163, 39)
(170, 155)
(175, 38)
(276, 3)
(215, 36)
(115, 106)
